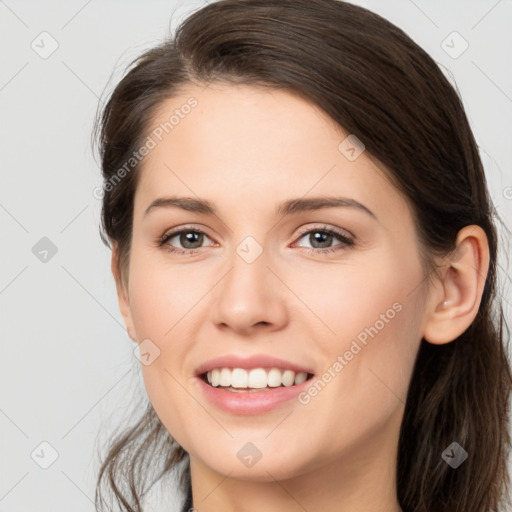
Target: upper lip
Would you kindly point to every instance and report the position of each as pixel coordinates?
(253, 361)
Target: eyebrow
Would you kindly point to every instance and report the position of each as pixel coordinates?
(288, 207)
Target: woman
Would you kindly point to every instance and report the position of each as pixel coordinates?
(305, 254)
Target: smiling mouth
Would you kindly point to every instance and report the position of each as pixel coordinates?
(240, 380)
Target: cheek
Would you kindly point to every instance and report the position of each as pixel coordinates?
(165, 303)
(367, 368)
(347, 300)
(375, 329)
(162, 295)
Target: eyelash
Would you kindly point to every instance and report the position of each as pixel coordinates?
(346, 240)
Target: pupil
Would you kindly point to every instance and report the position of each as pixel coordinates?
(319, 236)
(188, 237)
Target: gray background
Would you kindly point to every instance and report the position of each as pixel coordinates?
(67, 367)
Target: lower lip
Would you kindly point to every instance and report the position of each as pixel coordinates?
(250, 402)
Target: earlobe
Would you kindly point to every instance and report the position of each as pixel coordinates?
(122, 294)
(454, 303)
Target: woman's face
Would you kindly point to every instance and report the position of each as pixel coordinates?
(334, 292)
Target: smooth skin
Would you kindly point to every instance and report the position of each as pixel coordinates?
(245, 150)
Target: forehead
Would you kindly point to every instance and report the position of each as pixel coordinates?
(241, 142)
(240, 119)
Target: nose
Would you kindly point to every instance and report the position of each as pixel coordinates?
(250, 297)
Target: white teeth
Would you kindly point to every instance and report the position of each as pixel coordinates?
(274, 378)
(257, 378)
(239, 378)
(225, 377)
(288, 378)
(300, 377)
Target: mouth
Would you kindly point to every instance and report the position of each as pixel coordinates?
(242, 380)
(251, 385)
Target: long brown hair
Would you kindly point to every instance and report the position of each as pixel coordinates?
(376, 83)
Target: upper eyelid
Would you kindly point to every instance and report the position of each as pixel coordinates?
(326, 227)
(173, 232)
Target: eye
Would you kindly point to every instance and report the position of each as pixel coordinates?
(322, 237)
(191, 240)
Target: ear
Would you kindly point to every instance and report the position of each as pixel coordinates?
(122, 294)
(454, 303)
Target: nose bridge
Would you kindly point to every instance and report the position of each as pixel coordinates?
(249, 294)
